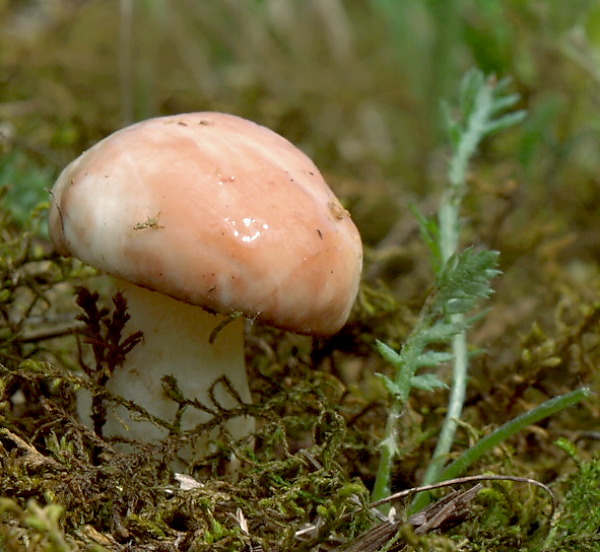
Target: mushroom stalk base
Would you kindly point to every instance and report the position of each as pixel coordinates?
(176, 342)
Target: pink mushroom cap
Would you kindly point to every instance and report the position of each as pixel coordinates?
(216, 211)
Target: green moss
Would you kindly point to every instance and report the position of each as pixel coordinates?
(363, 101)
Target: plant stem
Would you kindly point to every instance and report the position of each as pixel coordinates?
(462, 279)
(389, 448)
(455, 405)
(450, 227)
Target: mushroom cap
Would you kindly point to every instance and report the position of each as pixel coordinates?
(216, 211)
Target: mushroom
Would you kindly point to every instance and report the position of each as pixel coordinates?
(199, 217)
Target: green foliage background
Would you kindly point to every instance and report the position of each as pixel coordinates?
(358, 85)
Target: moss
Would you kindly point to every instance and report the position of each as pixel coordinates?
(363, 101)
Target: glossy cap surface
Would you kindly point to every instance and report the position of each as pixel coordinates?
(217, 211)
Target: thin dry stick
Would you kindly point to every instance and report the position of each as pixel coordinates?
(450, 508)
(460, 480)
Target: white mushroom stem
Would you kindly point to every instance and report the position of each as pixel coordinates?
(176, 341)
